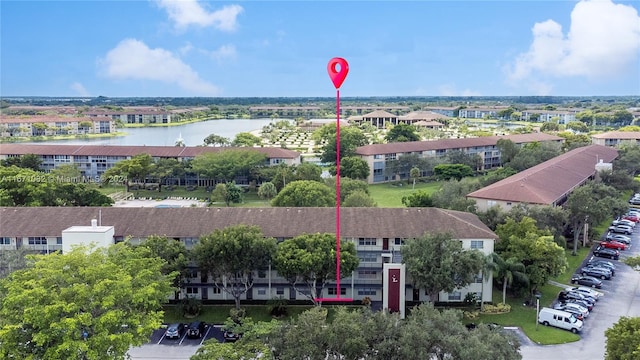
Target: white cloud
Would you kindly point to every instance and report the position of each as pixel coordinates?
(223, 52)
(186, 49)
(79, 89)
(133, 59)
(603, 42)
(184, 13)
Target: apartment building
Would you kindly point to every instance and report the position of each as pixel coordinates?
(132, 115)
(376, 155)
(44, 125)
(548, 183)
(616, 138)
(378, 234)
(94, 160)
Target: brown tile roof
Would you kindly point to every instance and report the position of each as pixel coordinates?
(379, 114)
(114, 150)
(418, 146)
(276, 221)
(549, 181)
(625, 135)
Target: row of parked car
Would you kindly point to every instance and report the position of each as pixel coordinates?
(195, 330)
(635, 199)
(574, 304)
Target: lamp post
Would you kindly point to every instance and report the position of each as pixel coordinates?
(538, 295)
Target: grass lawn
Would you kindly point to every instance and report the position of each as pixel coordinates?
(390, 195)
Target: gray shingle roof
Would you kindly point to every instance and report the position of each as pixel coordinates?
(276, 221)
(549, 181)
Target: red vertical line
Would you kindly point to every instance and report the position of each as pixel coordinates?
(338, 192)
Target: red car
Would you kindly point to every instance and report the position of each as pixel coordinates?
(632, 218)
(613, 245)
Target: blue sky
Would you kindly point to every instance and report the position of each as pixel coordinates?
(281, 48)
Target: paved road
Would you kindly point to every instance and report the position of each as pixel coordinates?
(622, 298)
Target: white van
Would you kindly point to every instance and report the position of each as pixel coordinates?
(560, 319)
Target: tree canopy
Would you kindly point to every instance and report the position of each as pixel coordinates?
(437, 262)
(231, 255)
(305, 193)
(85, 304)
(308, 262)
(350, 138)
(623, 339)
(228, 164)
(402, 133)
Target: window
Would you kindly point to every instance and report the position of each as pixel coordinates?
(477, 244)
(59, 240)
(368, 257)
(332, 291)
(216, 290)
(192, 290)
(478, 278)
(5, 241)
(367, 241)
(367, 274)
(37, 240)
(399, 241)
(262, 291)
(280, 291)
(377, 156)
(367, 292)
(455, 296)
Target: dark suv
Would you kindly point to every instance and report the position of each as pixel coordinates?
(196, 329)
(606, 253)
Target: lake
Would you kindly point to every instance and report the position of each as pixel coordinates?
(192, 134)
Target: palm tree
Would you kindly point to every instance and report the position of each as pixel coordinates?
(508, 270)
(488, 268)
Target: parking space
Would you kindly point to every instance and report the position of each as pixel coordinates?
(211, 332)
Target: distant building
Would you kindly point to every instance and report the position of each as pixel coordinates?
(378, 234)
(376, 155)
(548, 183)
(94, 160)
(45, 125)
(134, 115)
(616, 138)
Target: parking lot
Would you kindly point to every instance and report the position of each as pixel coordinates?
(621, 298)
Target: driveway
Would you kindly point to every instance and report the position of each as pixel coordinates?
(621, 299)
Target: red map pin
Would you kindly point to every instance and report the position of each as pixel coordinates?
(338, 68)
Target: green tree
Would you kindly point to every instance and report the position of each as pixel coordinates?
(402, 133)
(623, 339)
(453, 195)
(354, 168)
(629, 159)
(308, 171)
(308, 262)
(305, 193)
(216, 140)
(267, 190)
(27, 161)
(232, 255)
(419, 198)
(473, 161)
(246, 139)
(452, 171)
(508, 150)
(622, 118)
(85, 304)
(533, 154)
(350, 138)
(437, 262)
(174, 253)
(66, 172)
(592, 203)
(164, 168)
(12, 260)
(229, 193)
(348, 186)
(403, 164)
(578, 126)
(359, 198)
(548, 127)
(136, 169)
(227, 165)
(214, 350)
(507, 271)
